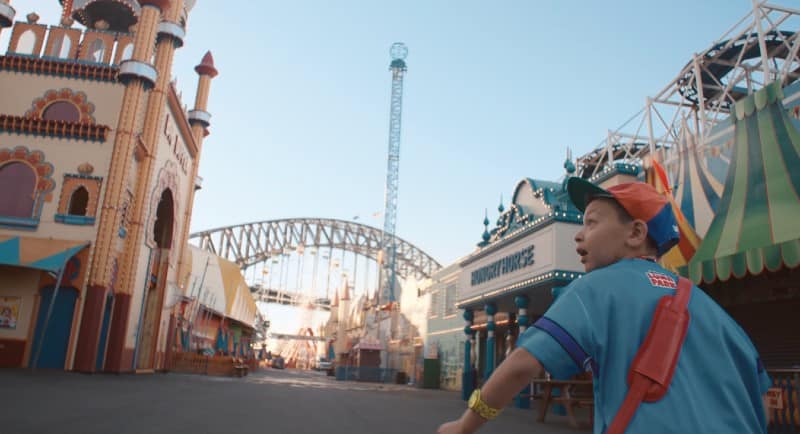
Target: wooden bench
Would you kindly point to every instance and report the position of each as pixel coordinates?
(240, 370)
(573, 394)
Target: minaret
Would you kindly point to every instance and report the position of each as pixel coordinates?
(200, 119)
(66, 11)
(138, 76)
(170, 36)
(7, 14)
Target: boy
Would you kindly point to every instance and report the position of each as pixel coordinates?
(601, 319)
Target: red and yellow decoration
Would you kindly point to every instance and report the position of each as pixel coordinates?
(78, 99)
(679, 255)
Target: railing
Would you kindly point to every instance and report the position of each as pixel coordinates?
(784, 411)
(367, 374)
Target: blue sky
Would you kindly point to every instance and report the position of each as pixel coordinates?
(495, 91)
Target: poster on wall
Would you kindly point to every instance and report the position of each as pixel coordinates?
(9, 312)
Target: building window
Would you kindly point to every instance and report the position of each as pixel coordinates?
(127, 52)
(79, 196)
(61, 47)
(97, 51)
(450, 300)
(27, 42)
(79, 202)
(17, 201)
(434, 310)
(61, 111)
(25, 181)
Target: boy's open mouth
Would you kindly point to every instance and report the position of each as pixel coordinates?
(582, 253)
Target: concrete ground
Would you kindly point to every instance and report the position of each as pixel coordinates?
(269, 401)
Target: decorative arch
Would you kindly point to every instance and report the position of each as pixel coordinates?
(167, 180)
(17, 202)
(164, 225)
(97, 51)
(61, 46)
(86, 190)
(27, 42)
(127, 52)
(42, 185)
(79, 202)
(60, 100)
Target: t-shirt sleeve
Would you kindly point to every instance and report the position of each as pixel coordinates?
(763, 378)
(562, 338)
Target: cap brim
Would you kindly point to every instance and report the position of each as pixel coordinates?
(581, 192)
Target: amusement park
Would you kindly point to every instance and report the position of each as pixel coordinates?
(162, 278)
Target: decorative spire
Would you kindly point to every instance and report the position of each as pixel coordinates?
(569, 166)
(501, 208)
(66, 11)
(206, 66)
(335, 299)
(486, 236)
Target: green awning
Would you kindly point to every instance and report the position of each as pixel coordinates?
(757, 224)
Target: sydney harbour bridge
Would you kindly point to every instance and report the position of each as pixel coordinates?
(303, 260)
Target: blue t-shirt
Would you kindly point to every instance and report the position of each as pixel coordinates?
(719, 379)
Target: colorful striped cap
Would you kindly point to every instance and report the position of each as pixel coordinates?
(640, 200)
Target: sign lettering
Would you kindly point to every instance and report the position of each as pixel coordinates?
(509, 264)
(181, 157)
(775, 398)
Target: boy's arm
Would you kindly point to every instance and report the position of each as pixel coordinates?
(506, 382)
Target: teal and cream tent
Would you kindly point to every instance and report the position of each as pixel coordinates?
(39, 253)
(757, 223)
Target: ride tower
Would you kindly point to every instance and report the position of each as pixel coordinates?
(388, 274)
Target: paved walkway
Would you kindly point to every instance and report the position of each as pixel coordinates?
(270, 401)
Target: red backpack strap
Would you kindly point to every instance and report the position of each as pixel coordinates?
(652, 368)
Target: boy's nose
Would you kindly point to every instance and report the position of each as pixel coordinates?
(579, 236)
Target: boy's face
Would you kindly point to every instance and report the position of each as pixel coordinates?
(602, 240)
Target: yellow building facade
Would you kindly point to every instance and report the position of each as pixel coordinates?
(98, 171)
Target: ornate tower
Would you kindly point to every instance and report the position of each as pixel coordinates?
(170, 34)
(199, 119)
(139, 76)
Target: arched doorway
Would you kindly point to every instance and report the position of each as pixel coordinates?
(156, 281)
(55, 339)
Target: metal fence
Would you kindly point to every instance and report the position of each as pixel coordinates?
(367, 374)
(784, 413)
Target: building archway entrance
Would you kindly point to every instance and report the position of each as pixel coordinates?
(156, 282)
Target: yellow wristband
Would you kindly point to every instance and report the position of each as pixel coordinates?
(483, 410)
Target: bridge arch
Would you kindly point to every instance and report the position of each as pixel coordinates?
(248, 244)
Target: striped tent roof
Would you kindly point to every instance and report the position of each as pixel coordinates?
(757, 224)
(39, 253)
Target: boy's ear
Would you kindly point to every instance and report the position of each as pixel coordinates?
(638, 233)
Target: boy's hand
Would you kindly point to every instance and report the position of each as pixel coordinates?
(454, 427)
